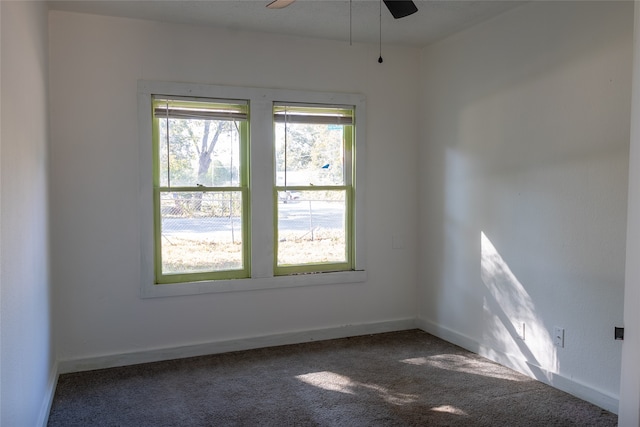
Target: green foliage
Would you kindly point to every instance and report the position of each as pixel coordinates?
(316, 150)
(194, 146)
(300, 144)
(223, 175)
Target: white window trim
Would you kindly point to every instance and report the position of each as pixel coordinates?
(261, 189)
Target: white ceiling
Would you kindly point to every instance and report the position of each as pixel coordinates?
(326, 19)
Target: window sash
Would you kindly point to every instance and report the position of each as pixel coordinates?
(167, 278)
(313, 266)
(242, 167)
(348, 154)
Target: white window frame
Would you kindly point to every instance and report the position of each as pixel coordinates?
(261, 184)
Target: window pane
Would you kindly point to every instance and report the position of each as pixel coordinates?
(312, 228)
(201, 231)
(199, 152)
(309, 154)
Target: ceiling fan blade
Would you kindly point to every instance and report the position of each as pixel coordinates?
(279, 4)
(400, 8)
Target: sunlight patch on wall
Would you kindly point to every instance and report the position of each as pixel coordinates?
(507, 307)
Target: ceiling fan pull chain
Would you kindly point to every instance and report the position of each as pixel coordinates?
(380, 20)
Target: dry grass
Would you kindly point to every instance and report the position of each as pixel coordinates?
(184, 255)
(326, 246)
(190, 255)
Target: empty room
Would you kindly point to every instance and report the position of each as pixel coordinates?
(366, 206)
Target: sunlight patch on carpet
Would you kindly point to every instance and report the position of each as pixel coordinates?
(391, 397)
(328, 381)
(458, 363)
(450, 410)
(335, 382)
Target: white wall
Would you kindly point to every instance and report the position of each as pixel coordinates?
(27, 372)
(629, 414)
(523, 190)
(95, 65)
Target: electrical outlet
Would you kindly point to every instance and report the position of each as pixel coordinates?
(619, 333)
(558, 336)
(520, 328)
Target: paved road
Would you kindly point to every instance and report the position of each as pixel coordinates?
(296, 216)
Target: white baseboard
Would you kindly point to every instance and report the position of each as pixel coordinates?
(582, 391)
(43, 417)
(216, 347)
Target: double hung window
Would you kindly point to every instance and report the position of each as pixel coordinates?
(200, 189)
(314, 166)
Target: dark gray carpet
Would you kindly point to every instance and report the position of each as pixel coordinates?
(405, 378)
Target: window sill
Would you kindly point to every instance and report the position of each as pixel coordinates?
(253, 284)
